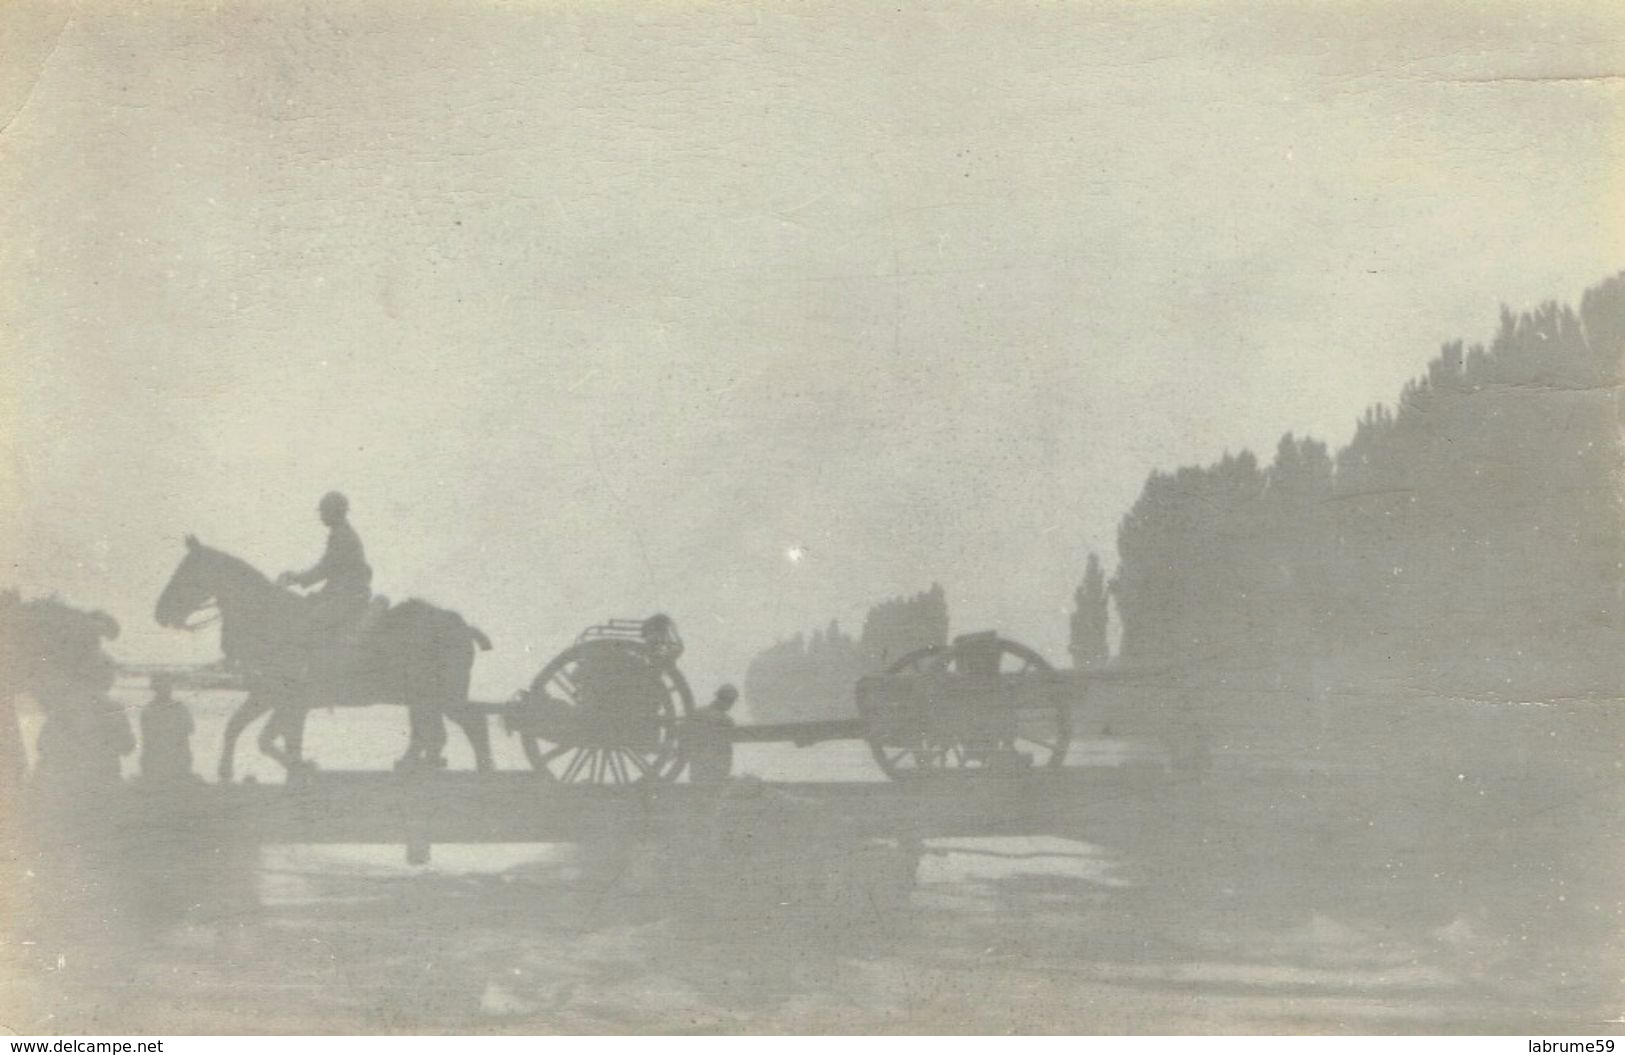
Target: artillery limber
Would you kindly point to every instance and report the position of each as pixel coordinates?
(612, 709)
(608, 709)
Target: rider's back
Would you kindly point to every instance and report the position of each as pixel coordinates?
(345, 562)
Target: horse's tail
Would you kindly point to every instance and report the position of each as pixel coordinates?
(480, 639)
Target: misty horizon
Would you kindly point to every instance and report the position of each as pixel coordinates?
(576, 362)
(203, 650)
(1098, 518)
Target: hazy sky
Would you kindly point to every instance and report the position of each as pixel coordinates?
(598, 309)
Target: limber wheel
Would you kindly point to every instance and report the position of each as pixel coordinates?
(605, 712)
(980, 705)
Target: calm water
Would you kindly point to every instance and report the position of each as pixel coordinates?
(1268, 893)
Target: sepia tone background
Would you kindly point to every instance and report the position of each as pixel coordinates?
(835, 331)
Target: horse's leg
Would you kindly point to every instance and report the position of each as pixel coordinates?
(406, 692)
(293, 735)
(446, 690)
(424, 693)
(414, 734)
(452, 700)
(287, 724)
(244, 716)
(477, 728)
(428, 731)
(274, 730)
(432, 741)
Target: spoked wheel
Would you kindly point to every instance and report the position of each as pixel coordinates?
(605, 712)
(980, 705)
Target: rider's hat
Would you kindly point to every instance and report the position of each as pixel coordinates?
(334, 503)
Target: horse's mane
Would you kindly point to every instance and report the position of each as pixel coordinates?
(236, 564)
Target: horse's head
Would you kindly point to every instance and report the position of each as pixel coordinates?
(190, 589)
(52, 648)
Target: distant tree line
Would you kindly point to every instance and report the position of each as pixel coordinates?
(1467, 540)
(1089, 642)
(812, 676)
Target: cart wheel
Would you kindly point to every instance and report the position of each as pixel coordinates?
(605, 712)
(917, 746)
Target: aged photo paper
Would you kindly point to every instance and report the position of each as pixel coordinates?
(533, 516)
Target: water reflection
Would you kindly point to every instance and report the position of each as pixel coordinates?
(1262, 896)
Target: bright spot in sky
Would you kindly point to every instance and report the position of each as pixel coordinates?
(795, 554)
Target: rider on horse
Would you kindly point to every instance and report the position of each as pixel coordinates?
(343, 573)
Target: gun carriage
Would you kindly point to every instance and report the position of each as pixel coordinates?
(611, 709)
(608, 709)
(983, 704)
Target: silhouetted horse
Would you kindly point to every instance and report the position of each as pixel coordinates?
(413, 654)
(53, 652)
